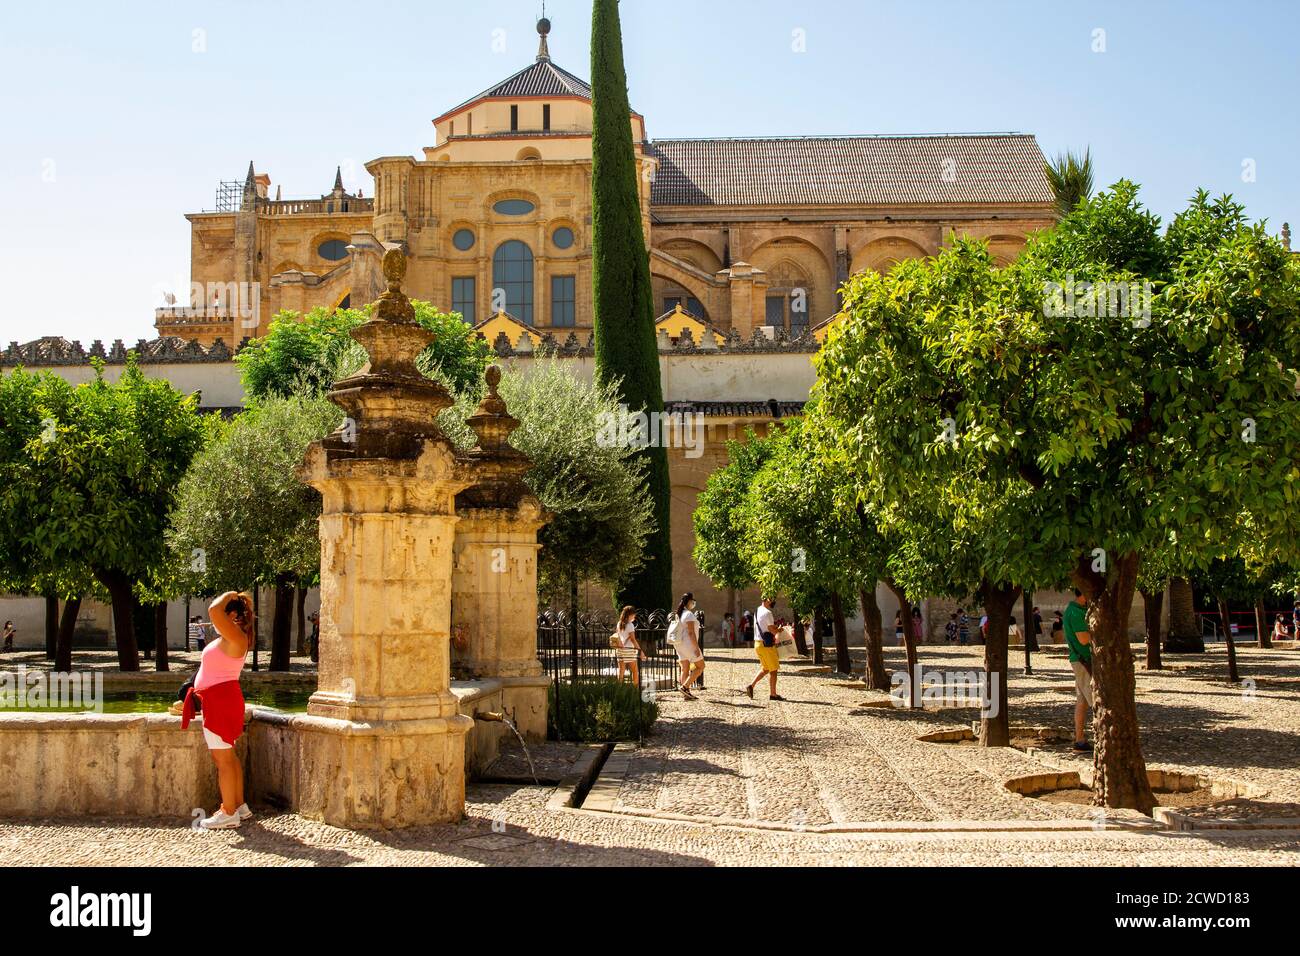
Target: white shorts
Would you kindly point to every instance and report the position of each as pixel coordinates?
(688, 650)
(214, 742)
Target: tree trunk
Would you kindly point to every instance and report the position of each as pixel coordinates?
(1264, 632)
(282, 621)
(995, 722)
(842, 663)
(300, 606)
(51, 625)
(161, 662)
(909, 643)
(1184, 630)
(63, 640)
(873, 638)
(1152, 606)
(123, 603)
(1120, 772)
(819, 621)
(1226, 618)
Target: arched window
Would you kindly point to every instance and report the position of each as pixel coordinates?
(512, 272)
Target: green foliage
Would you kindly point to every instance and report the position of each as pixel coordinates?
(593, 489)
(241, 507)
(801, 534)
(599, 710)
(305, 355)
(623, 306)
(1070, 177)
(719, 521)
(88, 475)
(1077, 432)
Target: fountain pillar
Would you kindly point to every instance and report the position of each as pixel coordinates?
(494, 581)
(382, 744)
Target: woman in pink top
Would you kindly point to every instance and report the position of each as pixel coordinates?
(217, 686)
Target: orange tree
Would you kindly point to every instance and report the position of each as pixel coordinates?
(1072, 437)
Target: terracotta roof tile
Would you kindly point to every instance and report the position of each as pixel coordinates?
(850, 170)
(541, 78)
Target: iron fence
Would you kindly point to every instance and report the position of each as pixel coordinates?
(576, 647)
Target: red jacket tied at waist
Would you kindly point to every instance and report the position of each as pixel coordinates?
(223, 710)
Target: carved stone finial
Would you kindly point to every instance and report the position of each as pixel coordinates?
(393, 305)
(491, 422)
(1286, 234)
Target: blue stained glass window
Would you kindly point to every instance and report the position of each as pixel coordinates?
(513, 207)
(512, 272)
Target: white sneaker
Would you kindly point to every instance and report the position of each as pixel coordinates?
(243, 812)
(220, 821)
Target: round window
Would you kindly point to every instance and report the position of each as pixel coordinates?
(333, 250)
(562, 237)
(513, 207)
(463, 239)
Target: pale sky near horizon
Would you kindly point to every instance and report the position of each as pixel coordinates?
(121, 118)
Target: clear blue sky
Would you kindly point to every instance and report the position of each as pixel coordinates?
(114, 126)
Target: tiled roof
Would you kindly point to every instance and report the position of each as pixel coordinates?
(850, 170)
(540, 78)
(768, 409)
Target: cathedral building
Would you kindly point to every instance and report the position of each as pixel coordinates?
(750, 239)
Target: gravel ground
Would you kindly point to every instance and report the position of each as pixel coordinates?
(820, 757)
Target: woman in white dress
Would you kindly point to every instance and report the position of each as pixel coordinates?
(629, 649)
(688, 645)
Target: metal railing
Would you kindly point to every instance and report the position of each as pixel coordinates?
(577, 648)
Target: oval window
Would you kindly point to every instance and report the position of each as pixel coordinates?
(513, 207)
(332, 249)
(463, 239)
(562, 237)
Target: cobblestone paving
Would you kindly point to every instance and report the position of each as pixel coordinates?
(818, 759)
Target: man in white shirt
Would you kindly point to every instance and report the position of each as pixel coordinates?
(765, 648)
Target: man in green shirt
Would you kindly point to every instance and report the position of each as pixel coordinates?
(1080, 644)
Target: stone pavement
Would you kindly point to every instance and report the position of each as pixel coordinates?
(752, 778)
(820, 758)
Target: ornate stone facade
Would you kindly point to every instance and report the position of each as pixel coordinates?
(496, 217)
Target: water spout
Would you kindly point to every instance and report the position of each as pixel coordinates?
(490, 716)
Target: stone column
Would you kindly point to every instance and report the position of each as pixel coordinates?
(494, 583)
(494, 597)
(382, 744)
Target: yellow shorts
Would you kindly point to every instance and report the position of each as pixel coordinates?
(767, 657)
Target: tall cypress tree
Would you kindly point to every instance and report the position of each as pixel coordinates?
(623, 304)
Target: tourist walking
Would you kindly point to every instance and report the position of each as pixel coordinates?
(898, 627)
(9, 636)
(1057, 627)
(950, 629)
(1036, 632)
(629, 648)
(315, 637)
(918, 625)
(1014, 634)
(1080, 642)
(729, 630)
(217, 686)
(687, 642)
(963, 627)
(195, 632)
(765, 647)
